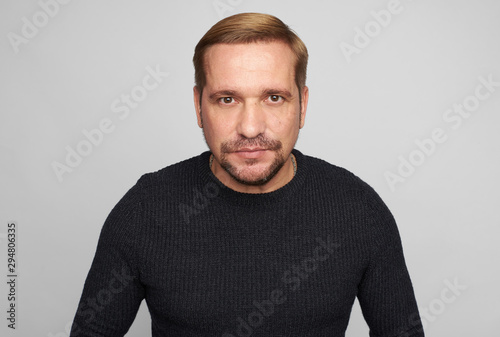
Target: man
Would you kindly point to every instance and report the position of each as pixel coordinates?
(251, 238)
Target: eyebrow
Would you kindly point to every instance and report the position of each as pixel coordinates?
(231, 93)
(281, 92)
(221, 93)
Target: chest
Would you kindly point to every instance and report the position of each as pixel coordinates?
(218, 280)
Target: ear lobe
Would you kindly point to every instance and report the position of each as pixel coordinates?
(197, 106)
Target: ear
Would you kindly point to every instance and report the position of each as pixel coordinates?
(303, 107)
(197, 105)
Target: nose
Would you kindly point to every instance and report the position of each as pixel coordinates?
(252, 120)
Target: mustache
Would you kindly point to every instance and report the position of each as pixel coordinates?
(260, 141)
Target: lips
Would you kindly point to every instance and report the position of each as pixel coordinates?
(250, 153)
(248, 149)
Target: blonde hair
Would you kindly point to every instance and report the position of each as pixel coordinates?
(249, 28)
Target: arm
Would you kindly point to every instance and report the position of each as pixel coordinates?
(112, 293)
(385, 293)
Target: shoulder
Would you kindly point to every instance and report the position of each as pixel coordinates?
(342, 184)
(348, 193)
(330, 175)
(171, 182)
(172, 174)
(155, 193)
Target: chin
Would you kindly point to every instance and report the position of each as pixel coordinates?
(251, 175)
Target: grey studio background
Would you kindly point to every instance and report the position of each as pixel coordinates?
(406, 94)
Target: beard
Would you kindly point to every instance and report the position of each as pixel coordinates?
(242, 175)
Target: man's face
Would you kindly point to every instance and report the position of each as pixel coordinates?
(250, 111)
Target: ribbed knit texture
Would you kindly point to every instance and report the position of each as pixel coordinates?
(211, 261)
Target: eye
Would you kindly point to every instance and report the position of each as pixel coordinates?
(226, 100)
(275, 98)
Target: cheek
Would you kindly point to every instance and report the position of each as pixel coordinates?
(217, 129)
(285, 125)
(288, 132)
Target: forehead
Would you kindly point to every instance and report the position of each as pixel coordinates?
(252, 62)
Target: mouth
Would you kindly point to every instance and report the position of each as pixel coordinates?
(250, 149)
(251, 152)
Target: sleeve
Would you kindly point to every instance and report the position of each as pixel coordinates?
(386, 293)
(113, 292)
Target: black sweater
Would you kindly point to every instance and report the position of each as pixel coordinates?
(210, 261)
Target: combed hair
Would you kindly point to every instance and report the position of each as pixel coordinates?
(250, 28)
